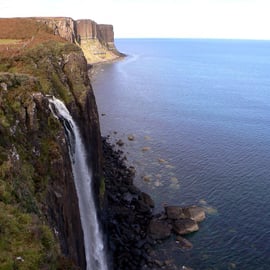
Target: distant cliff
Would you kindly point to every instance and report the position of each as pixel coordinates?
(96, 40)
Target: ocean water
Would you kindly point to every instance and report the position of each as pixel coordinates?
(199, 111)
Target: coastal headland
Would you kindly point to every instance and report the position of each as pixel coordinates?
(95, 40)
(40, 224)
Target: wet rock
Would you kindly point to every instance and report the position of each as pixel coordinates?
(132, 170)
(183, 243)
(174, 180)
(120, 143)
(128, 197)
(161, 160)
(142, 207)
(146, 148)
(174, 212)
(157, 183)
(210, 210)
(147, 178)
(134, 190)
(131, 138)
(158, 263)
(186, 268)
(147, 200)
(159, 229)
(195, 212)
(185, 226)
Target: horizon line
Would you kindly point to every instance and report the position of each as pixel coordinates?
(197, 38)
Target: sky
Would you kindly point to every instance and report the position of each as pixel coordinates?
(233, 19)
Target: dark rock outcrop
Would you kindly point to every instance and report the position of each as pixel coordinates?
(128, 213)
(180, 220)
(159, 229)
(133, 231)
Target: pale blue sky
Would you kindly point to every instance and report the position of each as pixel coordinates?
(243, 19)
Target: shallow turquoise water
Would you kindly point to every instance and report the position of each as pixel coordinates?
(201, 111)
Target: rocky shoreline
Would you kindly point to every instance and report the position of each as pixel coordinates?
(133, 231)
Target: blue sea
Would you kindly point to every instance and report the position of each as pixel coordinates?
(199, 111)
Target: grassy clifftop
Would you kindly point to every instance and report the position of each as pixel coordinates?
(18, 34)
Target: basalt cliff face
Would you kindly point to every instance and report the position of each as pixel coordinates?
(40, 225)
(96, 40)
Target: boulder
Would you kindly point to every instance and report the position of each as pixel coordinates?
(159, 229)
(131, 138)
(147, 200)
(142, 207)
(174, 212)
(185, 226)
(195, 212)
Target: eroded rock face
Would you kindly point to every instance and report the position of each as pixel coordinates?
(61, 26)
(96, 40)
(87, 29)
(106, 33)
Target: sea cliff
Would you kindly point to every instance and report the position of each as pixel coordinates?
(95, 40)
(40, 224)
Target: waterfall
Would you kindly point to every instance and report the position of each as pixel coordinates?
(93, 242)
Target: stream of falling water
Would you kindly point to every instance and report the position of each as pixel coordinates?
(93, 242)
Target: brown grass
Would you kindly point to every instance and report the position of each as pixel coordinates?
(17, 34)
(20, 28)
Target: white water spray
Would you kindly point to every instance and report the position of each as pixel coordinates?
(93, 243)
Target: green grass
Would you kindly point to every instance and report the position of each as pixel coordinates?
(24, 241)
